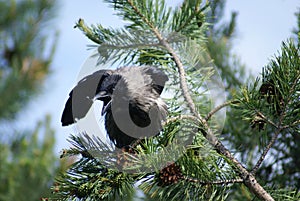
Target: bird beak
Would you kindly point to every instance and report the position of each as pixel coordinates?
(105, 107)
(100, 95)
(105, 97)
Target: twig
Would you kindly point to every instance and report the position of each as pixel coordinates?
(218, 182)
(267, 120)
(216, 109)
(180, 117)
(292, 124)
(277, 132)
(263, 155)
(208, 116)
(140, 14)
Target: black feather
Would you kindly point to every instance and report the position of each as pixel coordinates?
(81, 97)
(131, 102)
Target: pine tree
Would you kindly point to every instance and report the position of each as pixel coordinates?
(182, 41)
(281, 172)
(27, 159)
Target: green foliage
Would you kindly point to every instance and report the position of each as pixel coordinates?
(274, 103)
(242, 193)
(188, 19)
(275, 91)
(27, 160)
(296, 30)
(24, 59)
(278, 92)
(142, 15)
(264, 114)
(88, 179)
(139, 38)
(26, 165)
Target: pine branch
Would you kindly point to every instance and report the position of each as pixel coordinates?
(265, 152)
(207, 117)
(220, 182)
(90, 177)
(282, 116)
(180, 117)
(97, 36)
(248, 178)
(118, 44)
(137, 11)
(153, 31)
(296, 123)
(263, 117)
(218, 108)
(188, 15)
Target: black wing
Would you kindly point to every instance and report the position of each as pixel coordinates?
(81, 97)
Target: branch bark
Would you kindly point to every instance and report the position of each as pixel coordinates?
(248, 178)
(220, 182)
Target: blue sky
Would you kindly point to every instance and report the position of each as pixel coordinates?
(261, 27)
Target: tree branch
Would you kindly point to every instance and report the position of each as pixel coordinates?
(219, 182)
(263, 155)
(140, 14)
(249, 180)
(208, 116)
(216, 109)
(180, 117)
(271, 143)
(291, 125)
(267, 120)
(278, 127)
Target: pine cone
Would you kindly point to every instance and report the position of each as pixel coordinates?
(272, 94)
(169, 175)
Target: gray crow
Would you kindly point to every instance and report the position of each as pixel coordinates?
(131, 100)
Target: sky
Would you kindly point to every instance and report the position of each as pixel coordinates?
(261, 28)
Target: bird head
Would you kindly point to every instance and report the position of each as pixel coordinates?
(106, 90)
